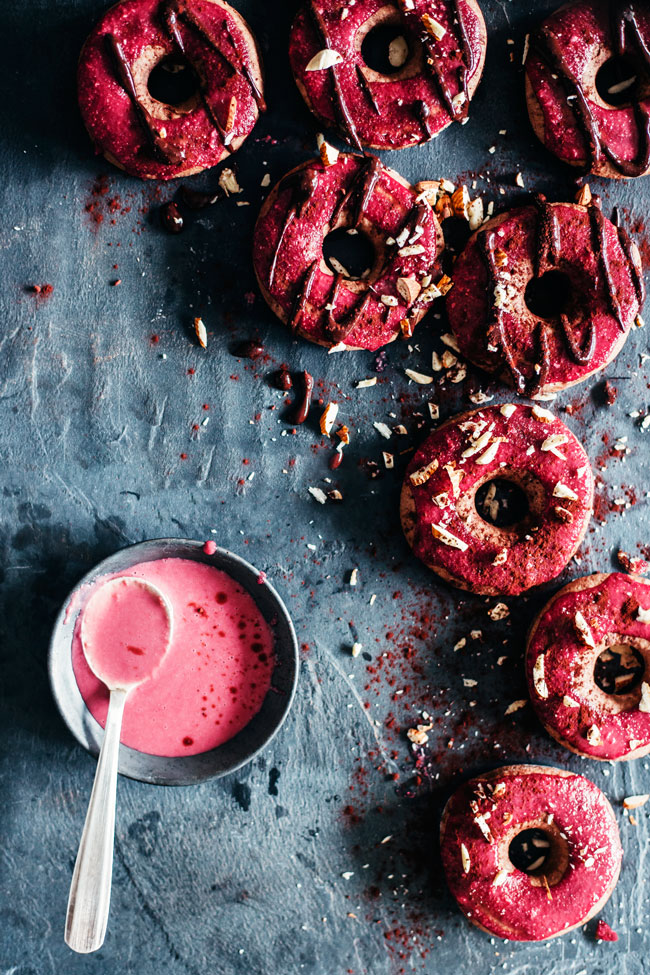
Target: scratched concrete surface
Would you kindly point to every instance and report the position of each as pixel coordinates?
(246, 874)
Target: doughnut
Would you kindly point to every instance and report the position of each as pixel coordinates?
(569, 114)
(606, 614)
(523, 446)
(361, 195)
(149, 138)
(446, 41)
(571, 860)
(588, 279)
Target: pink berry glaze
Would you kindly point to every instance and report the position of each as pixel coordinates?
(581, 621)
(487, 306)
(568, 113)
(144, 136)
(125, 632)
(525, 445)
(215, 675)
(412, 104)
(483, 817)
(361, 195)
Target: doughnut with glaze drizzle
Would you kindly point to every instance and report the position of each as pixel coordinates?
(361, 195)
(149, 138)
(446, 40)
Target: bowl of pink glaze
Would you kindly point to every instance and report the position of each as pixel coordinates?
(226, 684)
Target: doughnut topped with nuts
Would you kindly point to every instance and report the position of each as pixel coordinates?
(530, 852)
(399, 94)
(588, 666)
(588, 86)
(510, 448)
(545, 295)
(359, 203)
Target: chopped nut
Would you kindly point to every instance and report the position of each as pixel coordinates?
(319, 495)
(326, 58)
(542, 415)
(418, 377)
(419, 735)
(366, 383)
(443, 535)
(539, 681)
(433, 27)
(490, 453)
(554, 441)
(445, 284)
(389, 460)
(644, 703)
(583, 196)
(228, 182)
(343, 434)
(398, 52)
(455, 476)
(434, 411)
(422, 475)
(411, 251)
(634, 802)
(328, 154)
(500, 878)
(516, 706)
(406, 328)
(475, 213)
(643, 615)
(501, 557)
(519, 180)
(584, 630)
(464, 858)
(481, 822)
(408, 288)
(594, 736)
(507, 410)
(201, 332)
(441, 500)
(568, 702)
(355, 649)
(561, 490)
(353, 578)
(389, 300)
(499, 612)
(327, 419)
(383, 429)
(460, 202)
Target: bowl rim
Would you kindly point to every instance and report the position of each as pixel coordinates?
(86, 729)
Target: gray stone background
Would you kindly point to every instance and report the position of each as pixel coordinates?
(245, 874)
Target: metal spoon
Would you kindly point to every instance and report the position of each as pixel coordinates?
(90, 890)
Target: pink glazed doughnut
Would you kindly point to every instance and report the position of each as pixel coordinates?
(576, 832)
(147, 137)
(446, 42)
(524, 445)
(595, 614)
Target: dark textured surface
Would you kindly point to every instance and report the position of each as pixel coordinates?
(244, 875)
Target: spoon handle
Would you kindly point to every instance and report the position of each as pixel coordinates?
(90, 890)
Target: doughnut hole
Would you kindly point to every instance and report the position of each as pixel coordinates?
(619, 669)
(549, 295)
(541, 852)
(619, 81)
(501, 502)
(349, 252)
(384, 49)
(174, 82)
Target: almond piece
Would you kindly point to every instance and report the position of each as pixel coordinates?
(328, 154)
(328, 416)
(421, 476)
(443, 535)
(433, 27)
(539, 681)
(324, 59)
(408, 288)
(201, 332)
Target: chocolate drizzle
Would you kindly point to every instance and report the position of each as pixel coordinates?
(343, 112)
(367, 90)
(300, 303)
(626, 38)
(599, 244)
(439, 64)
(162, 148)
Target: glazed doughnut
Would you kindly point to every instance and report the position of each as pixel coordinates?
(575, 832)
(331, 309)
(446, 40)
(594, 293)
(526, 446)
(593, 615)
(147, 137)
(565, 107)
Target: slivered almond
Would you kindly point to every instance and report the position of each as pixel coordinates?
(539, 681)
(594, 736)
(542, 415)
(443, 535)
(464, 858)
(326, 58)
(445, 284)
(583, 196)
(634, 802)
(460, 202)
(500, 878)
(490, 453)
(553, 442)
(516, 706)
(568, 702)
(583, 630)
(328, 154)
(507, 410)
(328, 416)
(455, 477)
(201, 333)
(418, 377)
(422, 475)
(643, 615)
(562, 491)
(644, 703)
(389, 460)
(475, 213)
(433, 27)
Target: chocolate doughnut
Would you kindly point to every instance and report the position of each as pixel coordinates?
(587, 665)
(446, 41)
(587, 276)
(566, 110)
(361, 195)
(573, 857)
(150, 138)
(525, 446)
